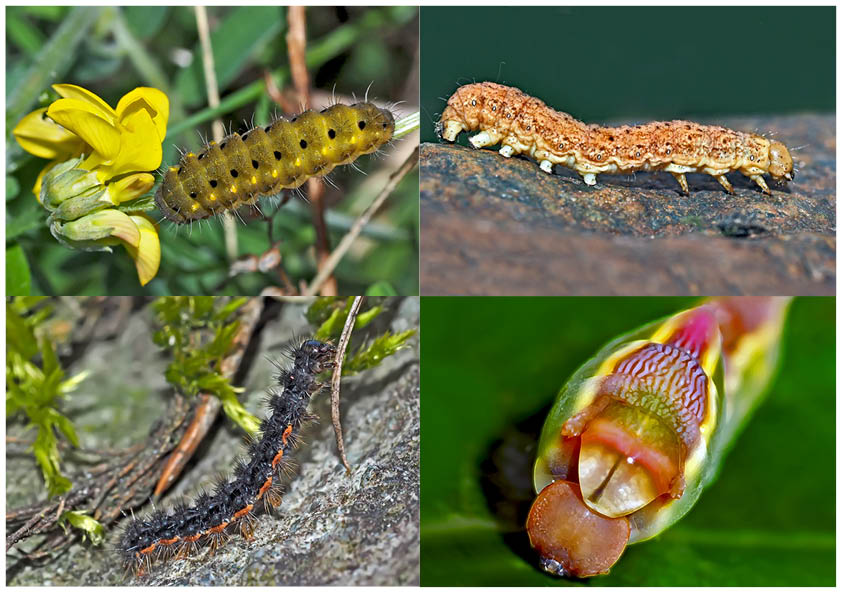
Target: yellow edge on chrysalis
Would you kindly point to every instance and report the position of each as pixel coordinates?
(709, 359)
(749, 345)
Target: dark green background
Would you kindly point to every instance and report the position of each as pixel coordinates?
(491, 363)
(635, 63)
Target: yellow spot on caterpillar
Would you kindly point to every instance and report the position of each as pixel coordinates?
(298, 162)
(213, 196)
(324, 150)
(194, 206)
(191, 154)
(354, 140)
(233, 189)
(274, 173)
(173, 168)
(254, 179)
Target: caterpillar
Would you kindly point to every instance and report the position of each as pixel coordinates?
(264, 160)
(232, 505)
(523, 124)
(640, 430)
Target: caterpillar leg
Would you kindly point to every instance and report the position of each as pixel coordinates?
(682, 181)
(451, 130)
(547, 166)
(725, 183)
(590, 179)
(483, 139)
(758, 179)
(507, 151)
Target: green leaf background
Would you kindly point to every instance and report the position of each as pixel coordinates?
(492, 367)
(112, 50)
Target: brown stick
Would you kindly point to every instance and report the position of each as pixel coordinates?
(297, 51)
(209, 407)
(361, 221)
(337, 378)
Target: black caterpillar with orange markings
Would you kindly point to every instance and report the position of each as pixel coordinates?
(265, 160)
(213, 517)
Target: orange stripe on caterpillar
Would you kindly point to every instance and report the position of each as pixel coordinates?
(523, 124)
(266, 485)
(265, 160)
(243, 512)
(277, 458)
(169, 541)
(218, 529)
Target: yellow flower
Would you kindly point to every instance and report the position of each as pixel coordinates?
(97, 231)
(100, 159)
(124, 140)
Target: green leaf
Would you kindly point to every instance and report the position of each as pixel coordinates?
(145, 21)
(241, 34)
(18, 279)
(12, 189)
(92, 528)
(30, 219)
(238, 414)
(493, 367)
(380, 348)
(366, 317)
(381, 288)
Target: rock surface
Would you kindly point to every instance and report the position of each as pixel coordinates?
(491, 225)
(331, 529)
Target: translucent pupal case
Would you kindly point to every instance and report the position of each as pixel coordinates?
(641, 428)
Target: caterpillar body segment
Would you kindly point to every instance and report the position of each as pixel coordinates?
(526, 125)
(263, 161)
(641, 429)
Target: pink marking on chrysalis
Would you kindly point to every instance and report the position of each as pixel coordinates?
(697, 332)
(671, 372)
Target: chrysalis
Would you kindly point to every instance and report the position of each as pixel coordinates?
(640, 429)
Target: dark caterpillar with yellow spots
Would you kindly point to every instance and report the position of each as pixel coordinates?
(263, 161)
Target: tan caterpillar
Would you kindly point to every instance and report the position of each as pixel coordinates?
(524, 124)
(263, 161)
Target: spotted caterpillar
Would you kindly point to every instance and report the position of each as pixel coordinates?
(524, 124)
(265, 160)
(232, 504)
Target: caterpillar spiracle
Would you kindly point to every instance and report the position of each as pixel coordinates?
(264, 160)
(641, 428)
(526, 125)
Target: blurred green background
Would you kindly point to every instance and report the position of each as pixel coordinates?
(492, 368)
(112, 50)
(635, 63)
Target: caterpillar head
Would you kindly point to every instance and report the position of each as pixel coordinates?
(462, 111)
(780, 163)
(315, 356)
(374, 126)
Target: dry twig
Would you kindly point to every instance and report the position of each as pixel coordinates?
(337, 377)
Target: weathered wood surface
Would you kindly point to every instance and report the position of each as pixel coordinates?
(499, 226)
